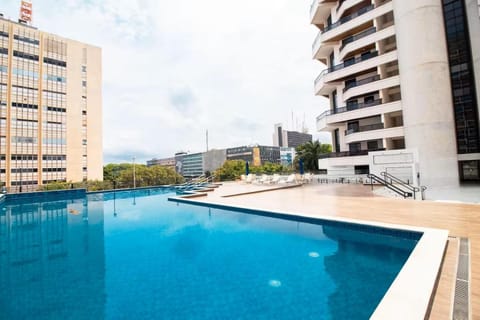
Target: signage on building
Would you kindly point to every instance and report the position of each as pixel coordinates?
(26, 11)
(256, 157)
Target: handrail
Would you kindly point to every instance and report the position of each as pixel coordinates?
(361, 82)
(347, 63)
(348, 153)
(385, 183)
(357, 36)
(392, 178)
(370, 127)
(350, 107)
(348, 18)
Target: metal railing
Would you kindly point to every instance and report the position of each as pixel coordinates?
(357, 36)
(392, 179)
(361, 82)
(349, 17)
(347, 63)
(350, 107)
(394, 188)
(371, 127)
(348, 153)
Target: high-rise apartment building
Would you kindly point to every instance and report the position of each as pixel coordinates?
(51, 108)
(403, 78)
(285, 138)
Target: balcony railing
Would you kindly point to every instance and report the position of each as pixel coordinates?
(349, 17)
(358, 36)
(376, 126)
(317, 39)
(347, 63)
(348, 153)
(357, 83)
(350, 107)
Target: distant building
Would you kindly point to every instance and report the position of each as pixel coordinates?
(165, 162)
(196, 164)
(284, 138)
(255, 155)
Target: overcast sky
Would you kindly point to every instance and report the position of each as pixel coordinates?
(173, 69)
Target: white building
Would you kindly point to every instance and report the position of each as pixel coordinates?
(402, 77)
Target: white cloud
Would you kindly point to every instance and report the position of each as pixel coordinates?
(173, 69)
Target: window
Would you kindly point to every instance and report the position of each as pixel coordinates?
(372, 145)
(55, 62)
(84, 83)
(369, 99)
(84, 68)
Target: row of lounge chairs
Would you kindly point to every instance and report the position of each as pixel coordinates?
(277, 179)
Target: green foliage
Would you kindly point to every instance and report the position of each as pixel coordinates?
(233, 169)
(121, 176)
(310, 153)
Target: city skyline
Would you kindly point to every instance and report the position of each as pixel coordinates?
(176, 70)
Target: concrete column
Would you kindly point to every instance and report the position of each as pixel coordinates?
(426, 91)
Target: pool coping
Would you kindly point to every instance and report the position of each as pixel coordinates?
(410, 294)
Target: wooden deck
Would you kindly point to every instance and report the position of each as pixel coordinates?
(358, 202)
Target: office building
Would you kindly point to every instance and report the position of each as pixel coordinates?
(285, 138)
(165, 162)
(403, 81)
(191, 165)
(255, 155)
(51, 108)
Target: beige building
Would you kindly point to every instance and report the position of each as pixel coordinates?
(403, 79)
(51, 108)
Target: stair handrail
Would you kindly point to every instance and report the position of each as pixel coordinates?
(400, 182)
(385, 183)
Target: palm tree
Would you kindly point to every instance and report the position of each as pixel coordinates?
(310, 153)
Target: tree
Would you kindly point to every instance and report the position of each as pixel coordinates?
(310, 153)
(230, 170)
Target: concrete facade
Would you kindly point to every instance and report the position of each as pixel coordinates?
(51, 108)
(394, 83)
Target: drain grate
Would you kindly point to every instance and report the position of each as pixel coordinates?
(461, 304)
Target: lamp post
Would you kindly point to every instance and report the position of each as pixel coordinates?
(134, 179)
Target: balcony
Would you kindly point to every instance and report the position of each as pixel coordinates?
(354, 23)
(353, 66)
(370, 127)
(320, 10)
(361, 82)
(348, 153)
(369, 84)
(348, 18)
(365, 38)
(330, 119)
(375, 134)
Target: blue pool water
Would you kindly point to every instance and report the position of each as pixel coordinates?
(138, 256)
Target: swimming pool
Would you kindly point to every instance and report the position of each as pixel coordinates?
(134, 255)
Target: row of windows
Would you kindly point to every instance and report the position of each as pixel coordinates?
(56, 109)
(24, 55)
(56, 180)
(58, 141)
(24, 183)
(4, 50)
(23, 157)
(54, 169)
(3, 34)
(54, 157)
(55, 62)
(25, 39)
(25, 73)
(24, 170)
(55, 78)
(25, 105)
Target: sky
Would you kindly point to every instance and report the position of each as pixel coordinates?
(174, 69)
